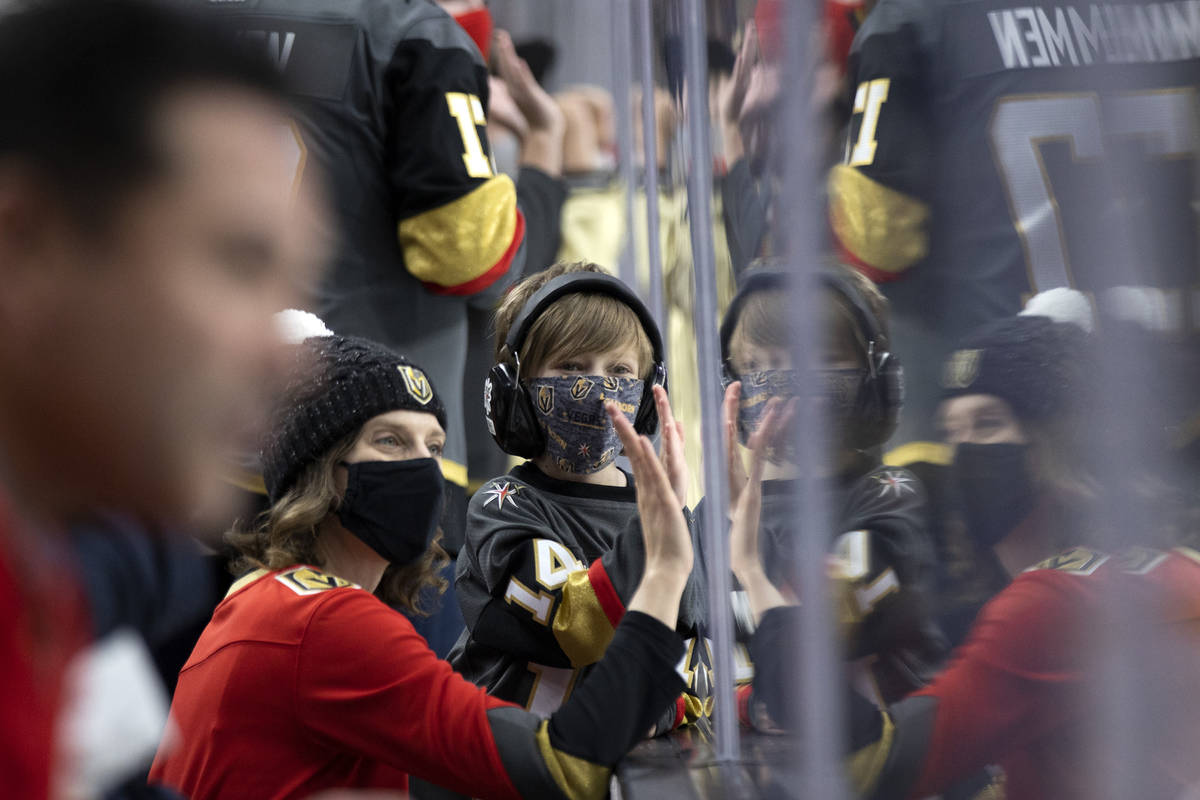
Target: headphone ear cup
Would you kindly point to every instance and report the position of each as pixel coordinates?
(646, 421)
(509, 414)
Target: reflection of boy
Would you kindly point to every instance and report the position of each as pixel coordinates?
(554, 548)
(883, 563)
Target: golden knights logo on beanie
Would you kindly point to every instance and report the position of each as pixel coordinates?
(417, 384)
(339, 383)
(961, 369)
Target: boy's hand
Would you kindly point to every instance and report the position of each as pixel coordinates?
(671, 455)
(664, 530)
(744, 557)
(736, 472)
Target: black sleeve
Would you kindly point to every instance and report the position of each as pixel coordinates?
(572, 754)
(884, 748)
(540, 198)
(457, 221)
(879, 198)
(744, 209)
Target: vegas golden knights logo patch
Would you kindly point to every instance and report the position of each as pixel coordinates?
(545, 399)
(612, 384)
(416, 383)
(962, 369)
(306, 580)
(581, 388)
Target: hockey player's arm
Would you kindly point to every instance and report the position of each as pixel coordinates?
(879, 196)
(457, 221)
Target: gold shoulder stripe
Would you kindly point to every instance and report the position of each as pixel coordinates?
(454, 472)
(246, 480)
(461, 241)
(245, 580)
(917, 452)
(580, 626)
(577, 778)
(881, 227)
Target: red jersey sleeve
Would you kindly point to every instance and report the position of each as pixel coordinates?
(368, 682)
(1005, 686)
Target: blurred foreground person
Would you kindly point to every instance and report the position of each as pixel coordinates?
(305, 681)
(146, 231)
(1032, 688)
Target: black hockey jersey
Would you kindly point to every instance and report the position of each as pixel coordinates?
(543, 580)
(1000, 148)
(391, 96)
(882, 566)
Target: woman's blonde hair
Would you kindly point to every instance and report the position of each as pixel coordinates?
(583, 322)
(287, 533)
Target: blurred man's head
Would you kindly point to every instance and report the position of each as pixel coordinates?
(151, 220)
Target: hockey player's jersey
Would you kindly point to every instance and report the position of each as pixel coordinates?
(999, 149)
(1028, 689)
(544, 579)
(882, 568)
(303, 681)
(392, 99)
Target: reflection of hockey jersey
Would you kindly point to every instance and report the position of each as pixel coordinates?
(544, 579)
(882, 569)
(1000, 149)
(1025, 691)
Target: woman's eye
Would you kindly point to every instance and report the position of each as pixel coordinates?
(435, 449)
(387, 440)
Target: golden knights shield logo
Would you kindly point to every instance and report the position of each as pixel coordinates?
(612, 384)
(962, 369)
(545, 399)
(581, 388)
(416, 383)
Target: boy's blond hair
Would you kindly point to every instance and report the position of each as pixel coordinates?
(766, 320)
(582, 322)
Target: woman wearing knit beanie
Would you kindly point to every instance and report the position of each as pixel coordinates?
(304, 680)
(1015, 393)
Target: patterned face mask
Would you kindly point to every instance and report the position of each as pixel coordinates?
(580, 438)
(757, 389)
(838, 388)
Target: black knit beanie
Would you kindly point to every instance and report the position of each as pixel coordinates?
(339, 383)
(1039, 366)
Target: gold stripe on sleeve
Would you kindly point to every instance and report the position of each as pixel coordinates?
(883, 228)
(581, 626)
(578, 779)
(456, 243)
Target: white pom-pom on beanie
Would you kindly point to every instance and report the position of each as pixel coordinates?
(294, 326)
(1062, 305)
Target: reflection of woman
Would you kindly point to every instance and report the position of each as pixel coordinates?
(304, 680)
(1022, 691)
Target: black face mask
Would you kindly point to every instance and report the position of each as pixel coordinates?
(995, 489)
(393, 506)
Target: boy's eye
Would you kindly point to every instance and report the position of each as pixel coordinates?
(570, 366)
(621, 369)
